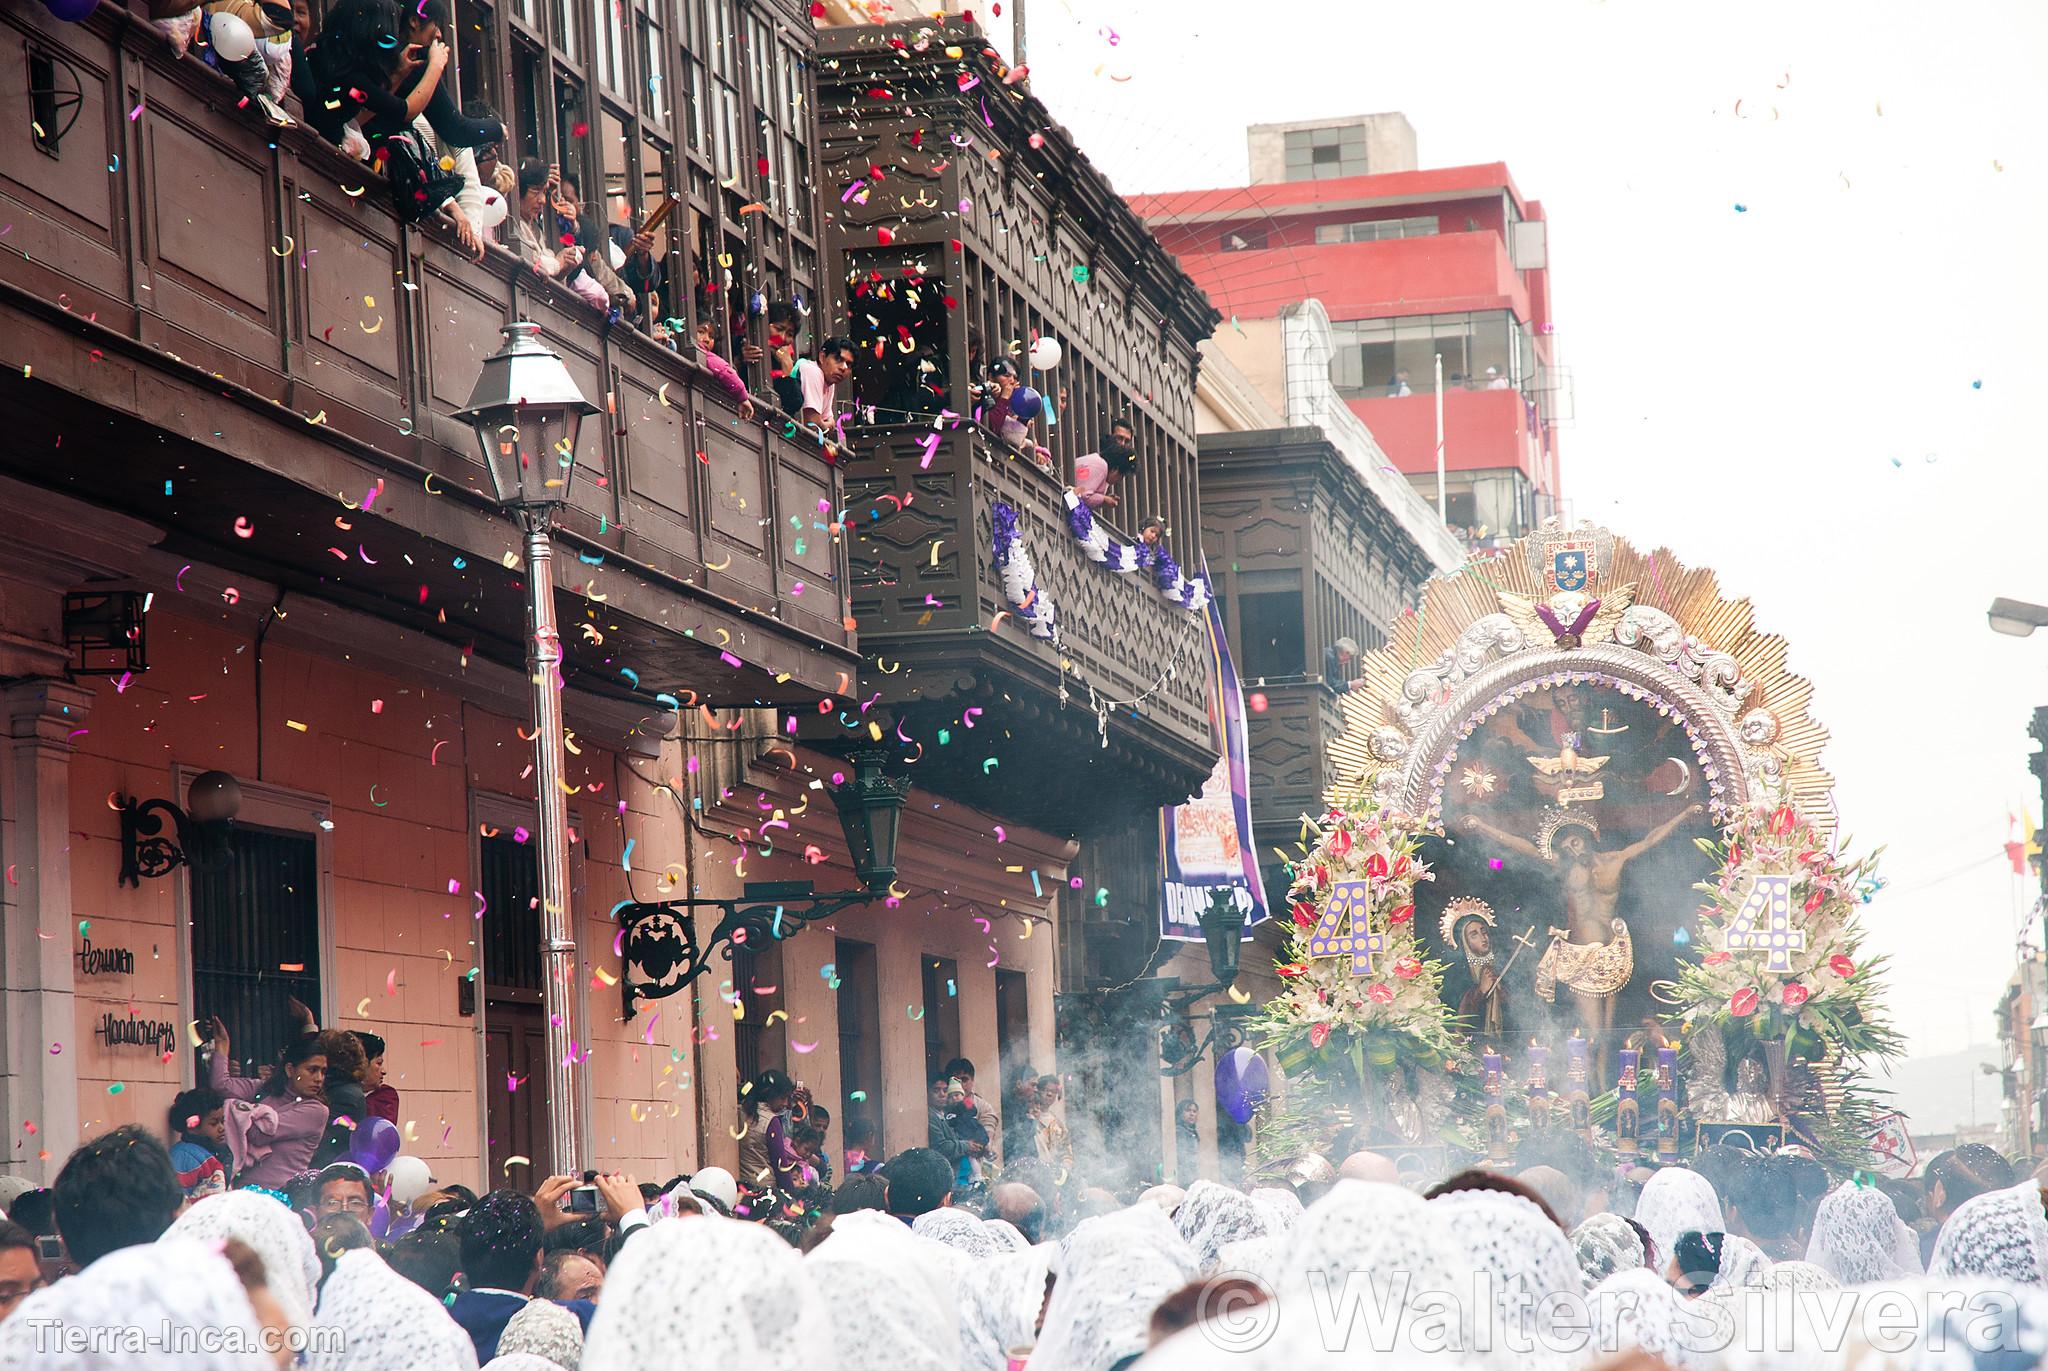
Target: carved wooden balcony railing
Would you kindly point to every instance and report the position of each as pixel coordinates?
(943, 639)
(207, 320)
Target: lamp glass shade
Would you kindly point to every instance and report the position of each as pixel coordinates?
(214, 796)
(1223, 932)
(871, 814)
(2015, 628)
(2016, 618)
(527, 413)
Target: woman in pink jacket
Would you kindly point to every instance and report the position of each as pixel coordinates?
(274, 1125)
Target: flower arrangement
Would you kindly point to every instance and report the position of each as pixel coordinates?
(1780, 960)
(1348, 1027)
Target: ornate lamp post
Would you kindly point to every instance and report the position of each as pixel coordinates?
(1223, 936)
(526, 411)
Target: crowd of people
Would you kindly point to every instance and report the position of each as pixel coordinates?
(375, 78)
(922, 1264)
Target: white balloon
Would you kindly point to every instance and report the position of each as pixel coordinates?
(409, 1179)
(232, 38)
(494, 211)
(1045, 354)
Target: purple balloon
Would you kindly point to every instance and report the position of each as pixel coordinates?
(1025, 403)
(1241, 1083)
(376, 1143)
(72, 11)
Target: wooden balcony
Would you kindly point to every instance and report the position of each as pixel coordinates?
(943, 639)
(1289, 743)
(207, 321)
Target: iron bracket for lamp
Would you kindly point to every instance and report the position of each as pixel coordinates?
(1229, 1026)
(145, 851)
(659, 951)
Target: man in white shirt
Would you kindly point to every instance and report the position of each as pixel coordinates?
(1494, 380)
(819, 380)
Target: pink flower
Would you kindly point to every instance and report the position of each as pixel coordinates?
(1318, 1034)
(1402, 915)
(1794, 994)
(1376, 865)
(1714, 958)
(1340, 842)
(1841, 966)
(1408, 968)
(1743, 1003)
(1380, 993)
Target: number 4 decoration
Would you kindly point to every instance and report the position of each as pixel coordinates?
(1764, 923)
(1345, 928)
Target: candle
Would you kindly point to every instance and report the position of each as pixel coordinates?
(1625, 1104)
(1496, 1111)
(1575, 1086)
(1539, 1091)
(1667, 1103)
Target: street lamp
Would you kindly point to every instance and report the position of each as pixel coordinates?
(1223, 937)
(2016, 618)
(658, 943)
(527, 411)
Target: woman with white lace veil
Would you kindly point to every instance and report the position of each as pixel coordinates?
(1639, 1309)
(1673, 1202)
(1005, 1235)
(1605, 1244)
(1858, 1238)
(162, 1285)
(1213, 1215)
(1743, 1265)
(1799, 1277)
(380, 1319)
(1524, 1258)
(889, 1294)
(1111, 1273)
(2000, 1235)
(290, 1265)
(708, 1294)
(1283, 1207)
(1001, 1300)
(546, 1330)
(957, 1229)
(1368, 1231)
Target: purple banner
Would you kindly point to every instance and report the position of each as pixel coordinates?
(1207, 842)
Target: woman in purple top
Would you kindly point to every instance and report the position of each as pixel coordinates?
(274, 1125)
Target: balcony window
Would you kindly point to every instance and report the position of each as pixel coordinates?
(1374, 230)
(1270, 634)
(1378, 357)
(897, 321)
(1325, 154)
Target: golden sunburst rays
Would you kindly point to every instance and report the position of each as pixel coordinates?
(1774, 710)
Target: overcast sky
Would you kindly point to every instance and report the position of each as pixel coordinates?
(1789, 393)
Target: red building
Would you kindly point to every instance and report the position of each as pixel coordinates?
(1410, 264)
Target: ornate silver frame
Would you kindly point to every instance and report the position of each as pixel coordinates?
(1493, 661)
